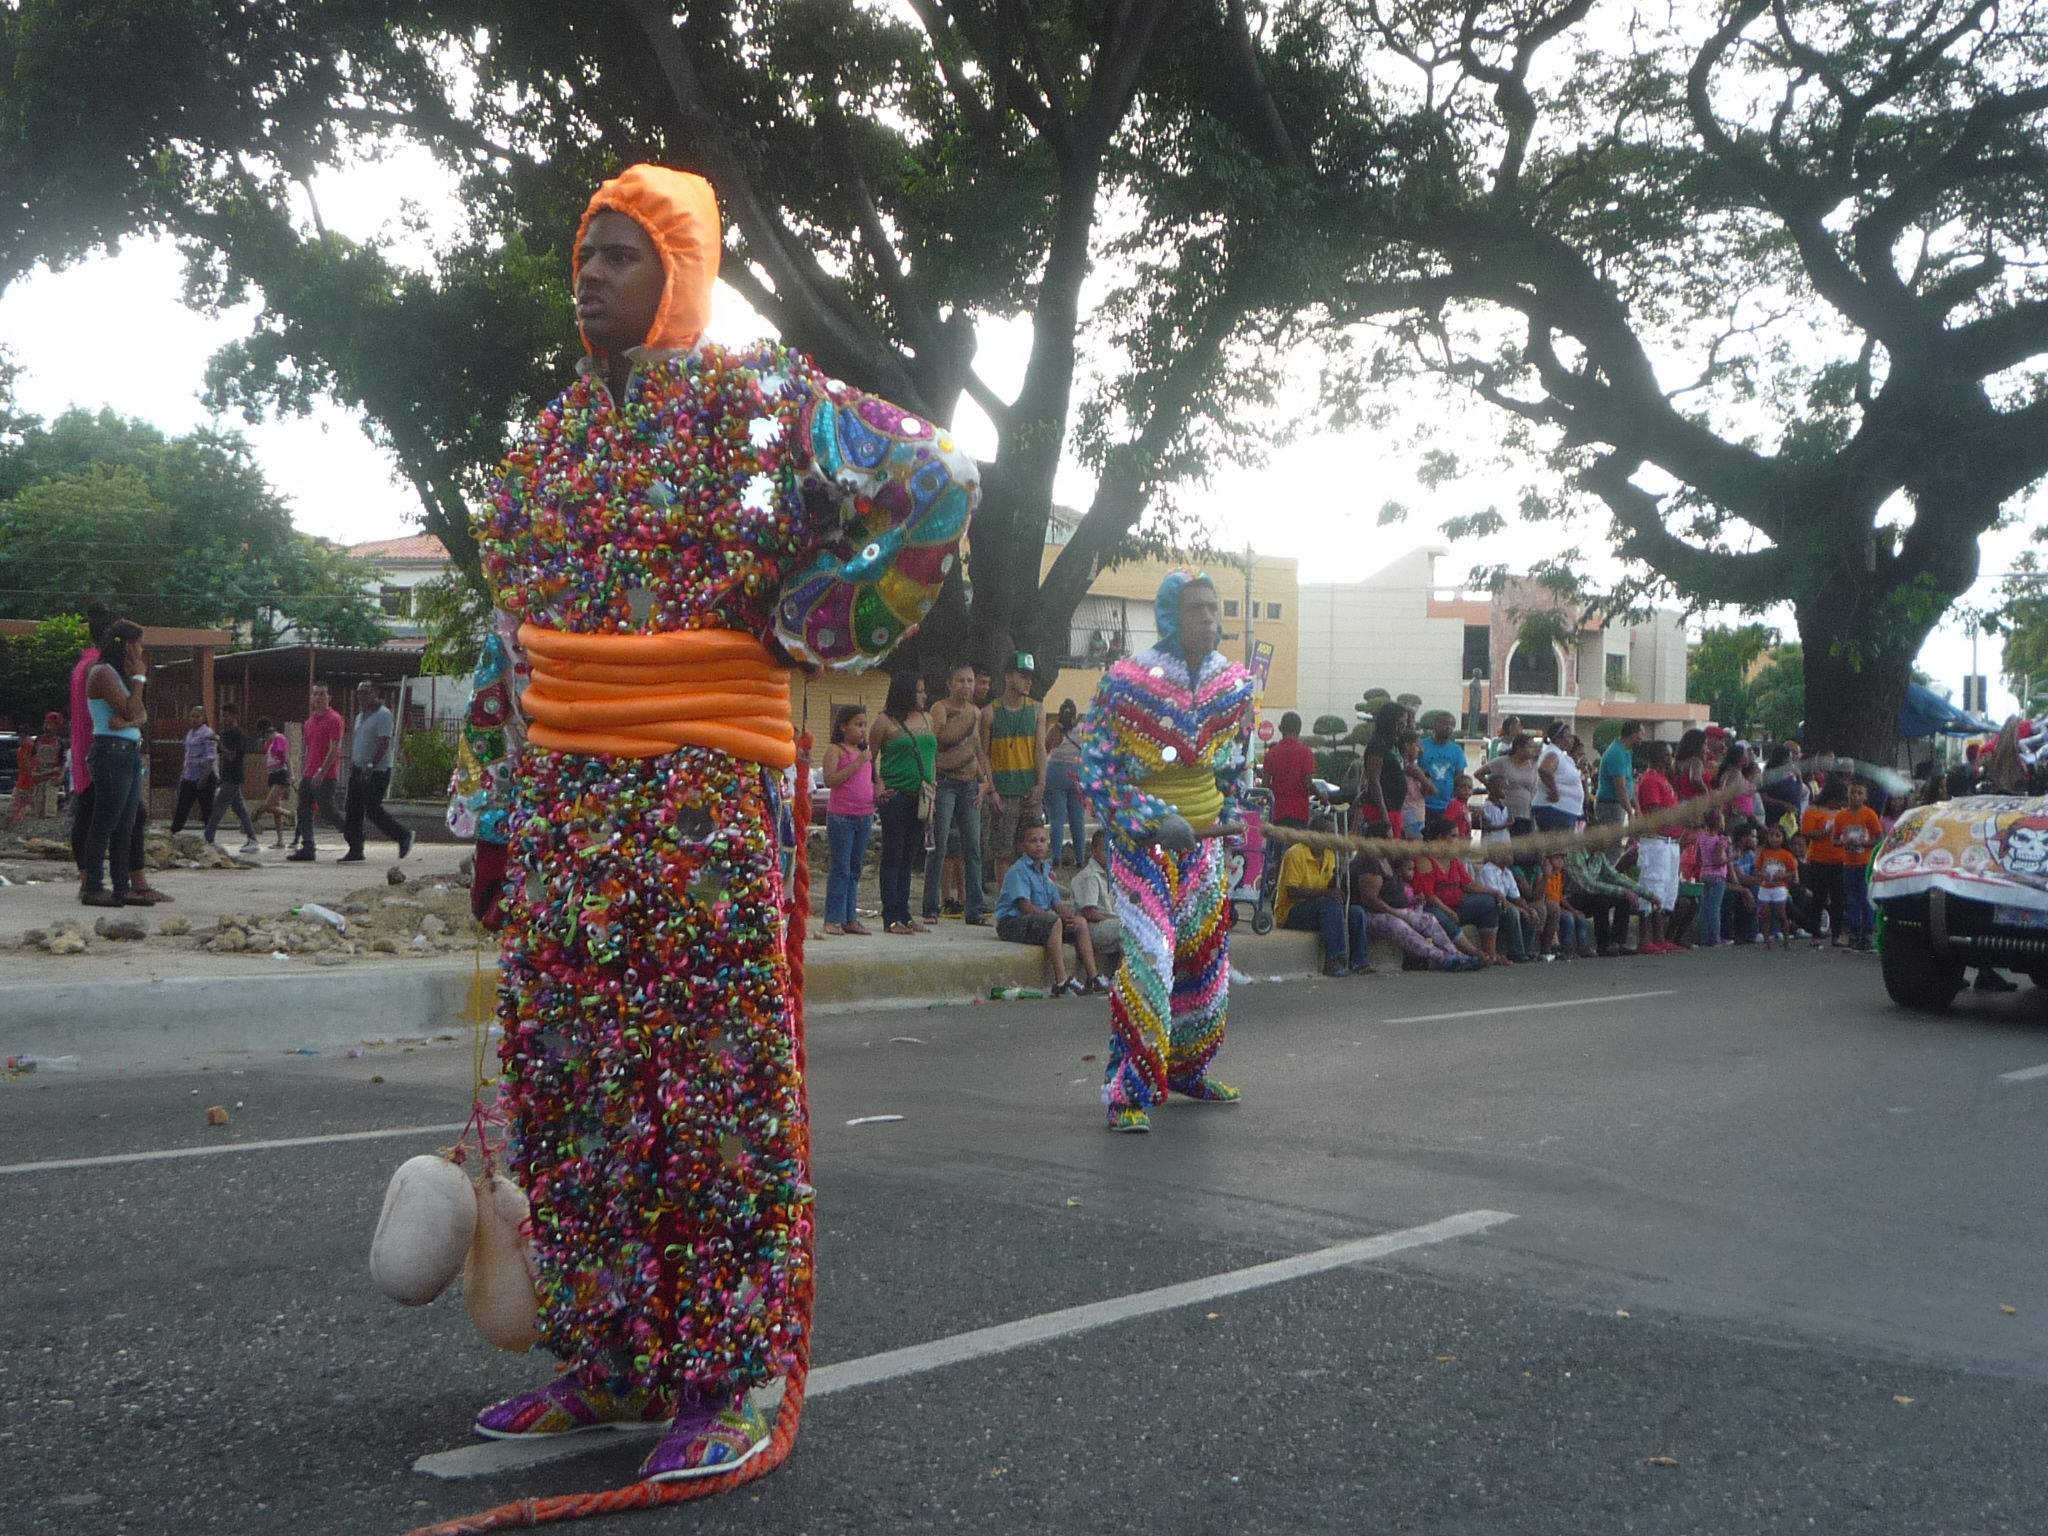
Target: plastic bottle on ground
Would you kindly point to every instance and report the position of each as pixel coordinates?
(26, 1063)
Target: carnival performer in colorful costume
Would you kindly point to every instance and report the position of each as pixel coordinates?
(1162, 749)
(680, 527)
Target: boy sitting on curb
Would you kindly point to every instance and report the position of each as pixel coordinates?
(1030, 911)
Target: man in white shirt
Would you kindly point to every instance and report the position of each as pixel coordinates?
(1091, 894)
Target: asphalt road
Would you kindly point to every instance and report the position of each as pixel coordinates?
(1767, 1230)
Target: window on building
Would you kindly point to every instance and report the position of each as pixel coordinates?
(1230, 607)
(1618, 679)
(1534, 669)
(395, 601)
(1272, 610)
(1106, 629)
(1478, 651)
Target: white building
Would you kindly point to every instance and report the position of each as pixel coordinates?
(1461, 649)
(403, 564)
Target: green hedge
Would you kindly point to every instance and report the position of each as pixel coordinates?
(426, 761)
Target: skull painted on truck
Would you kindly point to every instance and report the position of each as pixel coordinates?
(2023, 847)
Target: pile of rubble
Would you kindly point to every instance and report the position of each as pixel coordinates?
(397, 919)
(30, 857)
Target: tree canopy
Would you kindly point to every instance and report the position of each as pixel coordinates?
(1134, 175)
(1764, 283)
(171, 530)
(1719, 670)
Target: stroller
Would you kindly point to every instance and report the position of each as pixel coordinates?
(1247, 866)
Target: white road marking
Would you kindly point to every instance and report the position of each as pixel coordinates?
(492, 1456)
(2024, 1075)
(118, 1159)
(1571, 1002)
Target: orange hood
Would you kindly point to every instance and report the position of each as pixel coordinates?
(680, 214)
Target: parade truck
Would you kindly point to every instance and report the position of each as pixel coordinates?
(1961, 884)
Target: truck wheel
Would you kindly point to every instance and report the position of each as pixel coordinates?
(1914, 975)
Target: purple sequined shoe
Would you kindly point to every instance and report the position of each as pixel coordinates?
(704, 1442)
(1206, 1090)
(566, 1406)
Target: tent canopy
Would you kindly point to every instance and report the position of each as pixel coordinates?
(1927, 713)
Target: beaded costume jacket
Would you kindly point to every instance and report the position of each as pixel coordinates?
(733, 490)
(1148, 717)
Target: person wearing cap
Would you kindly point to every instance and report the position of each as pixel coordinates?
(675, 531)
(1013, 747)
(1161, 753)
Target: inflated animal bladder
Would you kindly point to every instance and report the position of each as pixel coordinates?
(497, 1282)
(425, 1229)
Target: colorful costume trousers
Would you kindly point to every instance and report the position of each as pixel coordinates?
(1167, 1002)
(653, 1077)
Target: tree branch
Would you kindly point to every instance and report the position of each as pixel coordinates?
(1280, 145)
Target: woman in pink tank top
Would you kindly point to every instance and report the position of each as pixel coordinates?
(850, 813)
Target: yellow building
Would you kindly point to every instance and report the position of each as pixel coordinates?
(1115, 619)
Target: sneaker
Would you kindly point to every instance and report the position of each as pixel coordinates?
(1336, 968)
(1362, 968)
(1129, 1121)
(299, 856)
(1068, 988)
(352, 858)
(566, 1406)
(250, 849)
(1098, 986)
(707, 1443)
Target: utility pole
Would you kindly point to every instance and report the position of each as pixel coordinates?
(1250, 608)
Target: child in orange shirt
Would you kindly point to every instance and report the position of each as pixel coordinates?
(1823, 859)
(1776, 869)
(1858, 831)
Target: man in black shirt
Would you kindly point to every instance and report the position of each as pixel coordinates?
(234, 745)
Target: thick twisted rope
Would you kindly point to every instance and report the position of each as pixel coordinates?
(523, 1514)
(1595, 835)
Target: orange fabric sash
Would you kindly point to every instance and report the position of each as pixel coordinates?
(643, 695)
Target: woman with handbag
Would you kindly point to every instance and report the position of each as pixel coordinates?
(906, 751)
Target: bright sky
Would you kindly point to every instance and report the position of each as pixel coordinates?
(1316, 500)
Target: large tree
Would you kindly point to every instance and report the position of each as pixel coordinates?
(173, 530)
(1766, 283)
(1132, 173)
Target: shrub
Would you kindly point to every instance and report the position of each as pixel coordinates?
(426, 761)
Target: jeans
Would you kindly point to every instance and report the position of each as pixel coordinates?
(1712, 894)
(1574, 933)
(902, 841)
(189, 792)
(229, 797)
(1856, 898)
(1482, 909)
(1062, 812)
(316, 794)
(1609, 813)
(366, 791)
(958, 809)
(1515, 937)
(82, 803)
(1550, 819)
(847, 837)
(116, 807)
(1337, 924)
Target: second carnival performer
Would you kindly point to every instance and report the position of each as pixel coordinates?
(1162, 750)
(680, 527)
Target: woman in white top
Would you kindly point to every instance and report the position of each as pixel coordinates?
(1560, 804)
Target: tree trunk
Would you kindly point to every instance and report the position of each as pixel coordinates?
(1855, 685)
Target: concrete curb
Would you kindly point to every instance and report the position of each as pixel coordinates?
(139, 1023)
